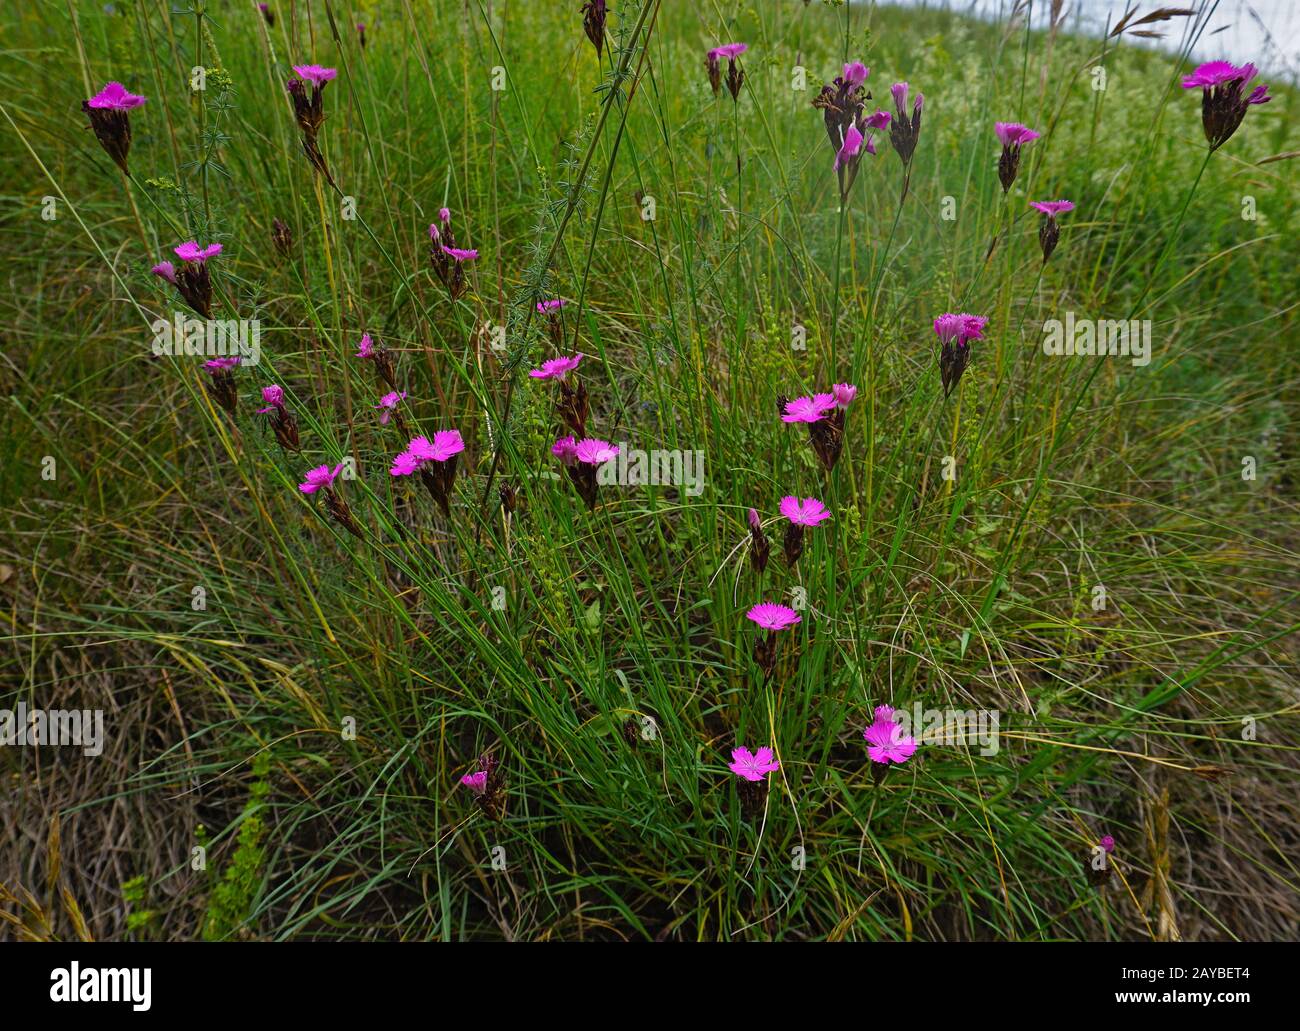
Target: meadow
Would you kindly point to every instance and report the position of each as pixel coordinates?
(831, 594)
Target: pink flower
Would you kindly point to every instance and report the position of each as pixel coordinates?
(773, 617)
(191, 251)
(1213, 73)
(961, 328)
(1052, 207)
(1013, 134)
(880, 120)
(755, 523)
(885, 738)
(476, 781)
(556, 368)
(566, 450)
(808, 512)
(420, 450)
(595, 452)
(753, 766)
(445, 215)
(321, 476)
(165, 270)
(366, 349)
(808, 409)
(222, 364)
(850, 148)
(1107, 843)
(459, 254)
(114, 97)
(855, 73)
(387, 404)
(315, 74)
(844, 394)
(552, 305)
(730, 51)
(273, 396)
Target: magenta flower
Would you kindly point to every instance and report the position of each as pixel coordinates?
(165, 270)
(545, 307)
(905, 129)
(773, 617)
(320, 477)
(315, 74)
(1012, 136)
(222, 364)
(435, 460)
(388, 403)
(114, 97)
(808, 409)
(274, 398)
(445, 215)
(753, 766)
(107, 111)
(1224, 100)
(850, 148)
(808, 512)
(476, 781)
(735, 74)
(366, 349)
(191, 251)
(460, 254)
(855, 73)
(844, 393)
(885, 738)
(955, 332)
(592, 451)
(1052, 207)
(557, 368)
(566, 450)
(1107, 843)
(1049, 232)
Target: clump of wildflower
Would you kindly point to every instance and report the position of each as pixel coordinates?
(581, 460)
(751, 770)
(221, 382)
(594, 13)
(771, 618)
(825, 415)
(435, 461)
(801, 514)
(446, 258)
(1012, 136)
(107, 111)
(321, 480)
(1049, 232)
(843, 103)
(1224, 100)
(759, 547)
(283, 422)
(735, 74)
(905, 129)
(955, 332)
(886, 742)
(488, 786)
(309, 112)
(191, 278)
(369, 351)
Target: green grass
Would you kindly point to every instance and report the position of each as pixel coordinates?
(968, 593)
